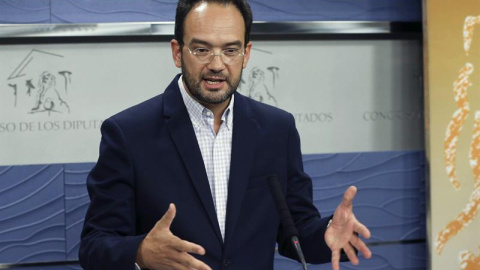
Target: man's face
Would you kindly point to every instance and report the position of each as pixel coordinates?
(47, 80)
(215, 27)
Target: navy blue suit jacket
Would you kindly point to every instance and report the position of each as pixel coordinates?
(149, 158)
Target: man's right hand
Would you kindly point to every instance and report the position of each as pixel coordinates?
(161, 250)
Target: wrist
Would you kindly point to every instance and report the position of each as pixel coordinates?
(139, 258)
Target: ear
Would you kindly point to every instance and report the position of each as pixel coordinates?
(248, 47)
(176, 52)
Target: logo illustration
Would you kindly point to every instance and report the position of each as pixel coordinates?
(258, 88)
(260, 83)
(47, 95)
(467, 259)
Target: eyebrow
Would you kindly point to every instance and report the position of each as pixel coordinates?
(203, 42)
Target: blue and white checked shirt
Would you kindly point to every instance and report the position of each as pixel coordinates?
(216, 149)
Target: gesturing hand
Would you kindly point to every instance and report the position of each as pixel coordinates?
(343, 232)
(161, 250)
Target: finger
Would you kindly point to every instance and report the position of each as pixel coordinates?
(351, 254)
(362, 230)
(178, 266)
(361, 247)
(166, 221)
(336, 259)
(349, 195)
(185, 246)
(191, 262)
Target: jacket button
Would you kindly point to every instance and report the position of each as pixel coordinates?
(226, 263)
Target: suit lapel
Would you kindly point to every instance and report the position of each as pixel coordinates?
(244, 140)
(182, 133)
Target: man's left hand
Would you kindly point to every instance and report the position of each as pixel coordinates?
(344, 230)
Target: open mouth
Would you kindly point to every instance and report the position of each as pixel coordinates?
(214, 82)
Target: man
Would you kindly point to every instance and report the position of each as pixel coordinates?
(181, 178)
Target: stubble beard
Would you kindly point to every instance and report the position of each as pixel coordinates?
(194, 86)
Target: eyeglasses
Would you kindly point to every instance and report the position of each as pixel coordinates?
(228, 56)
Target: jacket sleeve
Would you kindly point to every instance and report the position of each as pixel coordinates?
(108, 239)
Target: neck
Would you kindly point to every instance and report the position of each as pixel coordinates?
(217, 110)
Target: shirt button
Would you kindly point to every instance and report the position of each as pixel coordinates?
(226, 263)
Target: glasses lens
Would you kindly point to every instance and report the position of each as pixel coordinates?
(231, 57)
(205, 56)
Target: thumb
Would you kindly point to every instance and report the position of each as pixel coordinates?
(167, 219)
(349, 195)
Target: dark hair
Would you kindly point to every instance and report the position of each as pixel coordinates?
(184, 7)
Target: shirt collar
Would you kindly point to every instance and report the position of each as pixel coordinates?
(197, 111)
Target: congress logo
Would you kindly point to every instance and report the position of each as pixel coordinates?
(39, 84)
(260, 84)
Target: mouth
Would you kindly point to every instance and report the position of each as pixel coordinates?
(214, 82)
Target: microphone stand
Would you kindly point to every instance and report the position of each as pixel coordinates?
(286, 218)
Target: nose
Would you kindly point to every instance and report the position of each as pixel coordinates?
(217, 63)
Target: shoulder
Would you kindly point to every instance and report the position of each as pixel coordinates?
(151, 110)
(143, 111)
(264, 113)
(138, 119)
